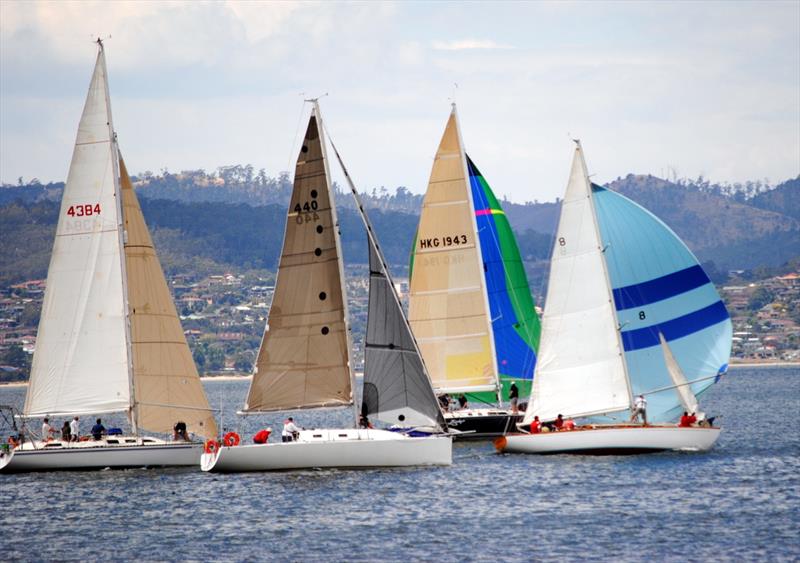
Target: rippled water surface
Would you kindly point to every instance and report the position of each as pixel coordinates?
(740, 501)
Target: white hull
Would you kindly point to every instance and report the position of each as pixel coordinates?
(611, 440)
(345, 448)
(127, 452)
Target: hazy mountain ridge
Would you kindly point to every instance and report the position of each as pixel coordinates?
(199, 228)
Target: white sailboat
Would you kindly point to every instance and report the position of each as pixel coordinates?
(109, 337)
(469, 301)
(305, 358)
(621, 286)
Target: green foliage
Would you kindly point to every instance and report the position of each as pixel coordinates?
(761, 296)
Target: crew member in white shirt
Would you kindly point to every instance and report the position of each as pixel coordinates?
(290, 430)
(639, 408)
(47, 430)
(74, 429)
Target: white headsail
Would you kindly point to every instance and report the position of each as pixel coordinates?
(580, 370)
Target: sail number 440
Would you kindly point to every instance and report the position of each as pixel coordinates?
(436, 242)
(85, 210)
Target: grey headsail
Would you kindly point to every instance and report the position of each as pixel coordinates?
(397, 389)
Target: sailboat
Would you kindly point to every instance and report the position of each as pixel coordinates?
(470, 305)
(109, 337)
(305, 356)
(629, 312)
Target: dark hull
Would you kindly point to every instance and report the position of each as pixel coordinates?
(480, 426)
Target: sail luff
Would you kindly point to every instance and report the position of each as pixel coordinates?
(606, 277)
(484, 292)
(338, 243)
(166, 384)
(80, 366)
(132, 415)
(415, 364)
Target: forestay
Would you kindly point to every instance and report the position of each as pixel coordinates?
(166, 385)
(448, 309)
(580, 369)
(303, 361)
(81, 363)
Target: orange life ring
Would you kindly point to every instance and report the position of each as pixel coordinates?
(211, 446)
(231, 439)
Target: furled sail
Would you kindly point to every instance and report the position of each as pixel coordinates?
(304, 357)
(515, 324)
(397, 388)
(166, 385)
(81, 364)
(448, 309)
(659, 288)
(580, 369)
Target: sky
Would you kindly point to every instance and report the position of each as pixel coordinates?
(665, 88)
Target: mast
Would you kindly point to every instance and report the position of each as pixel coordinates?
(606, 277)
(336, 237)
(492, 347)
(423, 381)
(121, 238)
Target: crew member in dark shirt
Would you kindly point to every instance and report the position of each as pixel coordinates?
(98, 430)
(513, 396)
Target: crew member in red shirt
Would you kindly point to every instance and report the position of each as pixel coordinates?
(559, 423)
(536, 425)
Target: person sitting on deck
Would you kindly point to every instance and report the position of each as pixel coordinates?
(684, 422)
(98, 430)
(569, 424)
(179, 432)
(639, 408)
(536, 425)
(290, 430)
(444, 402)
(559, 423)
(462, 402)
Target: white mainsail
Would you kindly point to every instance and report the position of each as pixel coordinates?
(304, 359)
(580, 369)
(448, 308)
(81, 363)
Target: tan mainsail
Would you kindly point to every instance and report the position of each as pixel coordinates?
(447, 304)
(304, 361)
(166, 386)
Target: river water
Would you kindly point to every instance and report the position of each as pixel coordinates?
(741, 501)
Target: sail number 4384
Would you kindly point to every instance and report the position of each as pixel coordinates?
(85, 210)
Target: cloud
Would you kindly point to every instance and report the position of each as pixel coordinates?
(469, 44)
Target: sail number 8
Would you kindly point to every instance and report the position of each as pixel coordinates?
(86, 210)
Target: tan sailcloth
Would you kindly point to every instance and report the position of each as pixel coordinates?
(447, 305)
(166, 385)
(303, 360)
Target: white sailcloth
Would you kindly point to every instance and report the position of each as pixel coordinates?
(682, 387)
(81, 363)
(580, 370)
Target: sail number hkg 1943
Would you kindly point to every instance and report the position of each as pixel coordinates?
(86, 210)
(438, 242)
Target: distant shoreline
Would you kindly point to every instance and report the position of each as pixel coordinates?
(206, 378)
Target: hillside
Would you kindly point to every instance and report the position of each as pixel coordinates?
(212, 222)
